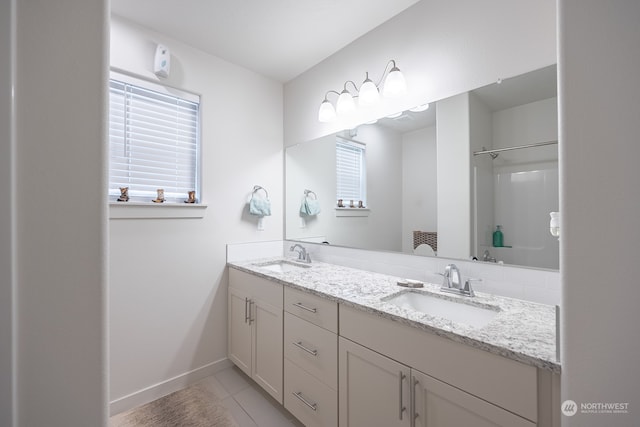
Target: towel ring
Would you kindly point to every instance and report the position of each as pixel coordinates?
(257, 188)
(307, 192)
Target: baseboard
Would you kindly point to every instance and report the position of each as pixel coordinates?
(163, 388)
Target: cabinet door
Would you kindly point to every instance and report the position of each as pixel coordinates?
(373, 389)
(437, 404)
(267, 325)
(239, 329)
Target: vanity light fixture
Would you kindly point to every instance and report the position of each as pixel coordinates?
(554, 224)
(346, 104)
(368, 94)
(419, 108)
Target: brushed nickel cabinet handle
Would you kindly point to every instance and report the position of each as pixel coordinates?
(414, 408)
(250, 319)
(313, 406)
(402, 408)
(304, 307)
(308, 350)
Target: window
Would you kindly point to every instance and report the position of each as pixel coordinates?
(351, 171)
(153, 140)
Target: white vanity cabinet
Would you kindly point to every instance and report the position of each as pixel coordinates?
(311, 358)
(342, 365)
(374, 390)
(255, 329)
(441, 382)
(437, 404)
(377, 390)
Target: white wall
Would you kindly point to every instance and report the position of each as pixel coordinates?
(525, 184)
(482, 223)
(384, 188)
(599, 65)
(419, 184)
(526, 124)
(60, 213)
(313, 166)
(454, 177)
(310, 166)
(7, 150)
(168, 282)
(443, 47)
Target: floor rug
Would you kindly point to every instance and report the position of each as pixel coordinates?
(194, 406)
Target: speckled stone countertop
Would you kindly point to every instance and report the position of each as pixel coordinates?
(522, 331)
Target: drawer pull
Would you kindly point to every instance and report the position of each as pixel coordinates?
(308, 350)
(246, 310)
(402, 408)
(313, 406)
(414, 408)
(304, 307)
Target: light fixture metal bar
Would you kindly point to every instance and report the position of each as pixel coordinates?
(498, 150)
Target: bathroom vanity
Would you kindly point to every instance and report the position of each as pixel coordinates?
(342, 346)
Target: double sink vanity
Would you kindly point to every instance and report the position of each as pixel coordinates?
(342, 346)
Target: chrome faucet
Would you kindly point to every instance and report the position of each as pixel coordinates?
(453, 282)
(451, 277)
(303, 256)
(486, 256)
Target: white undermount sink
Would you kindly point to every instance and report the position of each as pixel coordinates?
(471, 315)
(282, 266)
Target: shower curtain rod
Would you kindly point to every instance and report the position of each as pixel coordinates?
(497, 150)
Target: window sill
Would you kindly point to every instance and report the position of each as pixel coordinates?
(141, 210)
(353, 212)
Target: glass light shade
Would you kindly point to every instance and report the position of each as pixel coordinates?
(369, 95)
(419, 108)
(395, 84)
(345, 104)
(554, 224)
(326, 113)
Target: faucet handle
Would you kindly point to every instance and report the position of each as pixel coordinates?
(467, 287)
(447, 270)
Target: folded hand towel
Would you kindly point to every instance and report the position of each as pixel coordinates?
(310, 207)
(259, 206)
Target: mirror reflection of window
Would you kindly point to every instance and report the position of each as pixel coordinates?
(351, 175)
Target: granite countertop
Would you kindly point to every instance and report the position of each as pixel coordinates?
(523, 331)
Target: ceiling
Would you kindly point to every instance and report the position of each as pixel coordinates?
(276, 38)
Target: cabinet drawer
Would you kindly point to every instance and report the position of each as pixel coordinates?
(316, 310)
(312, 402)
(312, 348)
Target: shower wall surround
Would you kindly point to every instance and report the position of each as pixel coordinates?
(537, 285)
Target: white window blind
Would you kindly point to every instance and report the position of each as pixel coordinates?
(351, 171)
(153, 140)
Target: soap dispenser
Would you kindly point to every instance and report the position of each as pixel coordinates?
(498, 238)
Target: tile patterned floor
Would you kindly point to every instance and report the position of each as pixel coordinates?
(248, 403)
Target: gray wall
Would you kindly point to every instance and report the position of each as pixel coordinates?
(7, 37)
(60, 213)
(600, 203)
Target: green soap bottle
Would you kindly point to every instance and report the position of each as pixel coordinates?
(498, 238)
